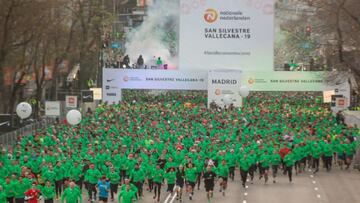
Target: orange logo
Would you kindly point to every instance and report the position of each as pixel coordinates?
(211, 15)
(251, 81)
(217, 92)
(126, 78)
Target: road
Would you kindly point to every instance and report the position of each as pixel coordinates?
(324, 187)
(333, 187)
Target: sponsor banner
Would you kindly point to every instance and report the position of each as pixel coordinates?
(97, 93)
(52, 108)
(224, 87)
(87, 96)
(231, 34)
(116, 79)
(327, 95)
(71, 101)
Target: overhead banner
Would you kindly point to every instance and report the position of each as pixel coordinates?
(231, 34)
(116, 79)
(52, 108)
(224, 88)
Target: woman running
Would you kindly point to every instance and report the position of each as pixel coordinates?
(190, 176)
(180, 180)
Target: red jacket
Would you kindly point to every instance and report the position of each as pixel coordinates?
(284, 152)
(33, 195)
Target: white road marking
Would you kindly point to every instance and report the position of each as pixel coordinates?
(318, 196)
(245, 193)
(314, 182)
(316, 189)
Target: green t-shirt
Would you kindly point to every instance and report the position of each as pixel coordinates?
(190, 174)
(265, 160)
(92, 175)
(170, 177)
(20, 189)
(289, 160)
(114, 177)
(244, 164)
(71, 195)
(127, 196)
(158, 176)
(223, 170)
(48, 192)
(275, 159)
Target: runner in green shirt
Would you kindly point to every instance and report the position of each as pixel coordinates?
(137, 177)
(19, 189)
(127, 195)
(114, 178)
(92, 175)
(223, 173)
(72, 194)
(264, 165)
(275, 163)
(289, 162)
(158, 180)
(190, 176)
(2, 195)
(170, 177)
(48, 192)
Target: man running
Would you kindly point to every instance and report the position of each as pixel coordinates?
(209, 181)
(103, 187)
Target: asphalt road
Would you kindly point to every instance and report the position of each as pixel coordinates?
(336, 186)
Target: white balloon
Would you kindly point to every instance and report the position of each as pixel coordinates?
(23, 110)
(73, 117)
(227, 99)
(244, 91)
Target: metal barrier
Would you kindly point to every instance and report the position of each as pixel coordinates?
(11, 137)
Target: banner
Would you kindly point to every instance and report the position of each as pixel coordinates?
(327, 95)
(87, 96)
(231, 34)
(116, 79)
(224, 88)
(52, 108)
(97, 93)
(71, 101)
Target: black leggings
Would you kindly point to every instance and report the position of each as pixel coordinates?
(243, 174)
(328, 162)
(58, 187)
(232, 172)
(91, 189)
(315, 164)
(79, 183)
(113, 189)
(251, 171)
(198, 180)
(122, 176)
(288, 169)
(151, 184)
(139, 186)
(274, 170)
(10, 199)
(157, 189)
(49, 201)
(19, 200)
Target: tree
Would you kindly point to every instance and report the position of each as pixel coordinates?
(335, 32)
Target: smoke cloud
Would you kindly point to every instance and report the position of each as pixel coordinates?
(157, 36)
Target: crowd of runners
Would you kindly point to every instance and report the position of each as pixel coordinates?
(123, 152)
